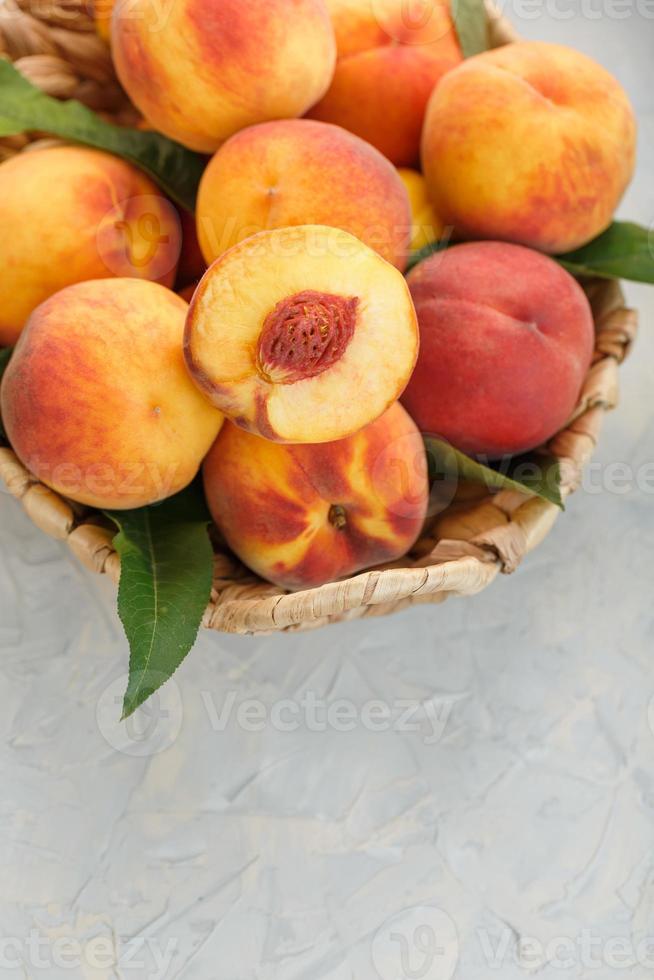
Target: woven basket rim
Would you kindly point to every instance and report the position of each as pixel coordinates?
(457, 564)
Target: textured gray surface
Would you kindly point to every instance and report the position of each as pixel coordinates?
(282, 816)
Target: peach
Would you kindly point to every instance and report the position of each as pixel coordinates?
(301, 516)
(299, 172)
(390, 57)
(70, 214)
(426, 226)
(506, 339)
(200, 71)
(96, 400)
(532, 143)
(302, 334)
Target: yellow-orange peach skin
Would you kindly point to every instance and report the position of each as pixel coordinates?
(302, 334)
(300, 172)
(199, 71)
(96, 400)
(304, 515)
(390, 56)
(426, 226)
(532, 143)
(70, 214)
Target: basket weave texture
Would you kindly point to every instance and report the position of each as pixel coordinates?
(55, 45)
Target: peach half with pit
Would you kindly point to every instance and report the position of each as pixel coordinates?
(302, 335)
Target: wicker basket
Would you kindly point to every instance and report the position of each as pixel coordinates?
(55, 45)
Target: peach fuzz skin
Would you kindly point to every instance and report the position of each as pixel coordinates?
(532, 143)
(506, 340)
(299, 172)
(70, 214)
(301, 334)
(301, 516)
(426, 226)
(390, 57)
(200, 71)
(96, 399)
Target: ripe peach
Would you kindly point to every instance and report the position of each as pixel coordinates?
(304, 515)
(302, 334)
(96, 400)
(532, 143)
(302, 172)
(426, 226)
(200, 71)
(70, 214)
(390, 57)
(506, 340)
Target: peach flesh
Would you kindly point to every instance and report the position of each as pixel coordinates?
(289, 334)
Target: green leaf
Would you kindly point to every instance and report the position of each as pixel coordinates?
(5, 355)
(471, 23)
(9, 128)
(165, 584)
(530, 473)
(624, 251)
(425, 252)
(24, 108)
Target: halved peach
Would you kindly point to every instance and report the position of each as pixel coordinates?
(304, 515)
(302, 334)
